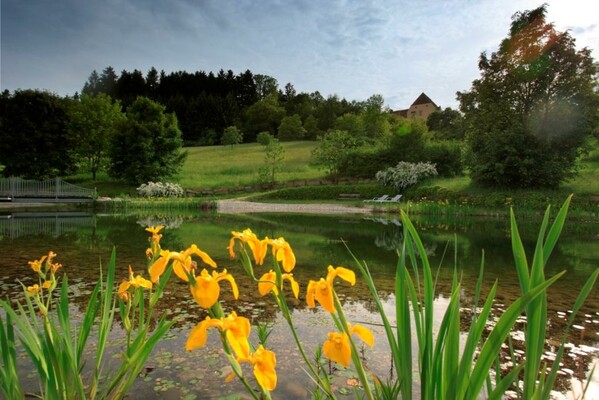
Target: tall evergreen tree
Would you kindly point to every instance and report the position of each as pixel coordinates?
(108, 82)
(92, 86)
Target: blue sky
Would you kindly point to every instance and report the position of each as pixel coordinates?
(352, 48)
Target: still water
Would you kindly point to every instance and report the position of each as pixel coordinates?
(83, 242)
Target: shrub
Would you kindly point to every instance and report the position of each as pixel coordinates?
(447, 157)
(231, 136)
(366, 162)
(264, 138)
(405, 174)
(291, 128)
(332, 149)
(160, 189)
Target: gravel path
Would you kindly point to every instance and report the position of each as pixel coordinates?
(240, 207)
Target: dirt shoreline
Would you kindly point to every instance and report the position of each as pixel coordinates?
(242, 207)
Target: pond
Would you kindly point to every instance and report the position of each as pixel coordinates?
(84, 241)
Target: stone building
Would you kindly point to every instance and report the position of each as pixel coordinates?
(421, 108)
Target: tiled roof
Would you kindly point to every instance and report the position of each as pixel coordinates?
(402, 113)
(423, 99)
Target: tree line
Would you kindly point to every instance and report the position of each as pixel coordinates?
(207, 103)
(523, 123)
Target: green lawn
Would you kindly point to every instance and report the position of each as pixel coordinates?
(225, 166)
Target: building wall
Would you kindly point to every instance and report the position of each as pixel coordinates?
(421, 111)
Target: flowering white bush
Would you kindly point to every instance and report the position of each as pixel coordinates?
(405, 174)
(160, 189)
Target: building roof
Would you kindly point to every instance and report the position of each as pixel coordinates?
(424, 99)
(403, 113)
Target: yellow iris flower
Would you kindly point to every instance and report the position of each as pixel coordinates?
(155, 239)
(205, 288)
(264, 362)
(282, 252)
(338, 348)
(133, 281)
(322, 290)
(159, 266)
(36, 265)
(237, 330)
(183, 265)
(257, 246)
(154, 229)
(268, 281)
(33, 290)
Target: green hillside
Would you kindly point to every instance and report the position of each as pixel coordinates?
(216, 167)
(226, 166)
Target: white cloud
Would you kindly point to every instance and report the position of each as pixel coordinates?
(351, 48)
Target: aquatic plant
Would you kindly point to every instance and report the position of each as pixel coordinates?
(448, 365)
(43, 325)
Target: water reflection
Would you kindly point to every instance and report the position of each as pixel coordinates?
(318, 241)
(54, 224)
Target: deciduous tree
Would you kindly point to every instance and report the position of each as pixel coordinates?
(332, 149)
(264, 115)
(147, 145)
(35, 140)
(274, 154)
(529, 113)
(446, 124)
(291, 128)
(231, 136)
(93, 123)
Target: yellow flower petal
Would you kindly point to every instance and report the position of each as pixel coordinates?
(237, 336)
(322, 292)
(346, 274)
(157, 269)
(123, 287)
(337, 348)
(259, 249)
(231, 248)
(33, 290)
(310, 292)
(294, 284)
(155, 229)
(324, 295)
(181, 265)
(264, 368)
(142, 282)
(283, 253)
(198, 335)
(222, 276)
(193, 249)
(267, 283)
(205, 290)
(36, 265)
(363, 333)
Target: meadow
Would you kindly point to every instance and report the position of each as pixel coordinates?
(208, 169)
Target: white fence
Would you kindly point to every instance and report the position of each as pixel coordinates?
(56, 188)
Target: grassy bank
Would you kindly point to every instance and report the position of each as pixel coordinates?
(225, 171)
